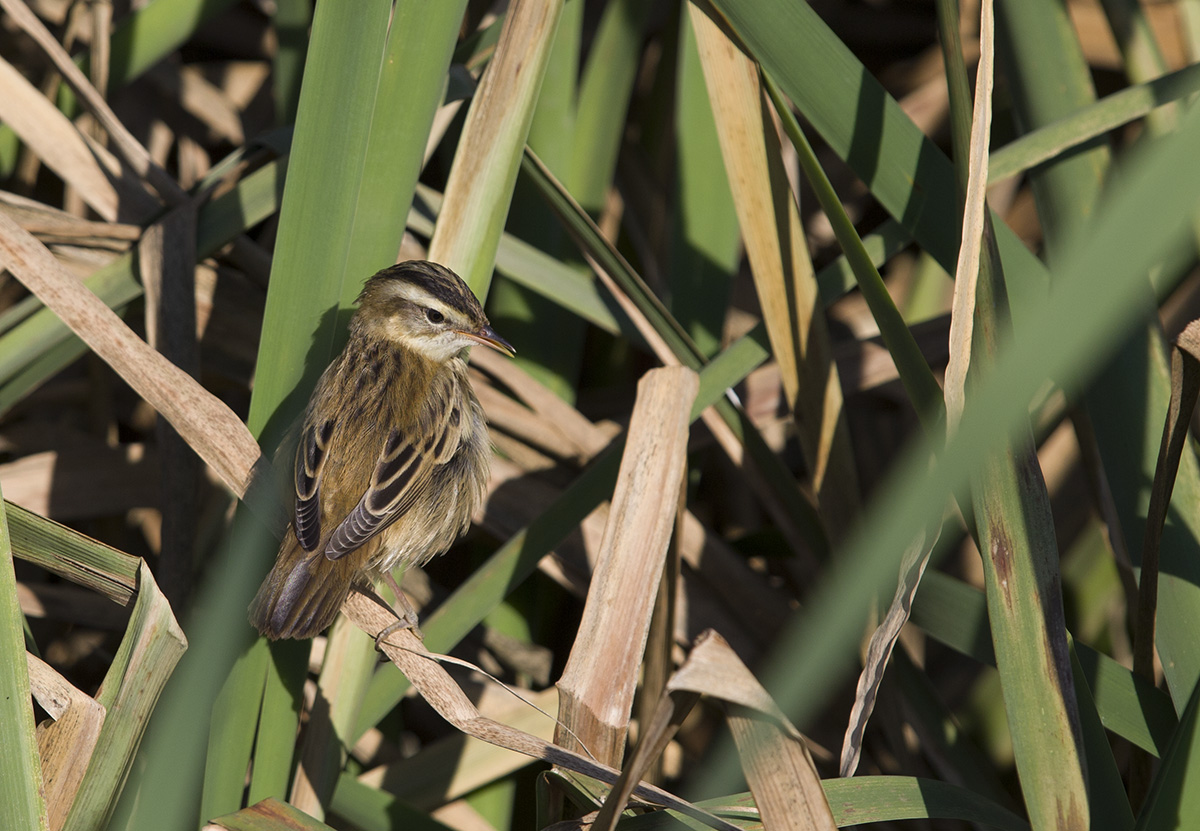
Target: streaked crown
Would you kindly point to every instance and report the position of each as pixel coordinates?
(425, 307)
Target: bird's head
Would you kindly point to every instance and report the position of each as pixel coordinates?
(425, 307)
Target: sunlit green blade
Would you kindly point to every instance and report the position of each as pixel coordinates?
(1091, 122)
(297, 339)
(21, 802)
(274, 745)
(68, 553)
(604, 92)
(232, 732)
(412, 78)
(1052, 741)
(319, 204)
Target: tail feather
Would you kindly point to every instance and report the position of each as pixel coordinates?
(302, 594)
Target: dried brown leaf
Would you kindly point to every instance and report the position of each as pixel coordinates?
(408, 653)
(207, 424)
(67, 742)
(775, 758)
(601, 674)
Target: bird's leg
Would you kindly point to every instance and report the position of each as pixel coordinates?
(406, 615)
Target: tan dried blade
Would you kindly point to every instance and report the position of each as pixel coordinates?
(484, 172)
(67, 742)
(967, 271)
(128, 147)
(883, 641)
(89, 169)
(436, 686)
(207, 424)
(775, 758)
(456, 765)
(781, 266)
(598, 683)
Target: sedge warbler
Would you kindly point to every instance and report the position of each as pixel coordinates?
(393, 453)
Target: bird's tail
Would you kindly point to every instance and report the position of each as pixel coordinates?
(302, 594)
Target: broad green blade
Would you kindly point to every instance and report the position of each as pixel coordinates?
(320, 199)
(1090, 122)
(1127, 402)
(73, 555)
(232, 732)
(299, 331)
(604, 93)
(956, 614)
(1174, 798)
(411, 82)
(21, 801)
(275, 742)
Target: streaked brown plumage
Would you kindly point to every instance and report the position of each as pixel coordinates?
(393, 451)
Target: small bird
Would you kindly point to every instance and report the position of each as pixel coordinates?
(393, 453)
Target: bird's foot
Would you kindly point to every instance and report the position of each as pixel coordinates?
(407, 620)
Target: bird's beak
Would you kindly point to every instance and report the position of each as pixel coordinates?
(488, 337)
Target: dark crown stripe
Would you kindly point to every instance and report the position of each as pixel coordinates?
(438, 281)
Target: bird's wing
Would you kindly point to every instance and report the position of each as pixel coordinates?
(310, 461)
(405, 466)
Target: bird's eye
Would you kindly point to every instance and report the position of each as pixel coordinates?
(434, 316)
